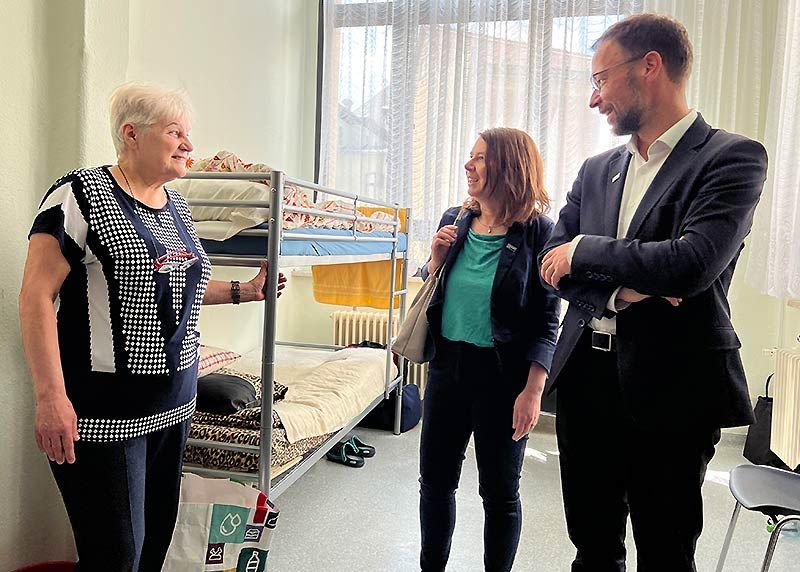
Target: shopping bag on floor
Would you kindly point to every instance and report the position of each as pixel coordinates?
(222, 526)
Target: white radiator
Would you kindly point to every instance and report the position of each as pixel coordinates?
(353, 327)
(785, 389)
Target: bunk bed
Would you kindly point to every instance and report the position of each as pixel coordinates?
(251, 431)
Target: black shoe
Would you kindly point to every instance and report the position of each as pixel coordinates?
(345, 454)
(363, 449)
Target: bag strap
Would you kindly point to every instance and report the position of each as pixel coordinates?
(769, 379)
(438, 272)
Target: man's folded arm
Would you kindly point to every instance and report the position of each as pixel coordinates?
(717, 222)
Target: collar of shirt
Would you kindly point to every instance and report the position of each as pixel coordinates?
(666, 141)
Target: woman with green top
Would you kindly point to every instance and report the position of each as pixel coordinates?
(494, 328)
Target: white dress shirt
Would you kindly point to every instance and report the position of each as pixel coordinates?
(641, 173)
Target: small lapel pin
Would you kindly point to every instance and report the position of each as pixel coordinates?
(615, 177)
(511, 247)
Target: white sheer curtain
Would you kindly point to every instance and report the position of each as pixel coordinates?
(732, 52)
(746, 79)
(409, 84)
(774, 264)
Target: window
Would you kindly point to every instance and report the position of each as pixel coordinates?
(409, 84)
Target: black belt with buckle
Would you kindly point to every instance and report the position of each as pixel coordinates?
(604, 341)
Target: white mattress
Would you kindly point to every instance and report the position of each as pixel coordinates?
(326, 389)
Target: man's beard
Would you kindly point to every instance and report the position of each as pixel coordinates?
(630, 121)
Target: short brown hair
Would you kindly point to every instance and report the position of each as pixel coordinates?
(644, 33)
(515, 171)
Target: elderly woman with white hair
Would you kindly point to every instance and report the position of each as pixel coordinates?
(113, 281)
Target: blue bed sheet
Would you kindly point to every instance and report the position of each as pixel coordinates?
(257, 245)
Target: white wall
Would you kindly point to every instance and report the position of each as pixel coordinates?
(249, 66)
(254, 87)
(33, 523)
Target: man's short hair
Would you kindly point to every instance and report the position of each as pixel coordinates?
(644, 33)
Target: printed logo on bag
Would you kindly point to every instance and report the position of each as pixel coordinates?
(228, 524)
(252, 560)
(215, 554)
(253, 533)
(272, 520)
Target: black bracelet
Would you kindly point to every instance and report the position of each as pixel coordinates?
(236, 292)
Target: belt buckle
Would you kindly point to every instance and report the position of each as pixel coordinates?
(604, 345)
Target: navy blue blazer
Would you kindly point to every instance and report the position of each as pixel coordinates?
(683, 241)
(524, 314)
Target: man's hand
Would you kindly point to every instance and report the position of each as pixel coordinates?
(555, 264)
(632, 296)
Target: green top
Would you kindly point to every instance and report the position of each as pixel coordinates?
(466, 316)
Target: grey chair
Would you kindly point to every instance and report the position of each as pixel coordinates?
(773, 492)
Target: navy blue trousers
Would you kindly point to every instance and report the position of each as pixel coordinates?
(122, 500)
(467, 395)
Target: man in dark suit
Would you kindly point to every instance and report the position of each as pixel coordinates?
(647, 364)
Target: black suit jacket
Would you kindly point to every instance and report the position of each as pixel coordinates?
(524, 314)
(684, 240)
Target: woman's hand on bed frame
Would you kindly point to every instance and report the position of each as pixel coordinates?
(220, 292)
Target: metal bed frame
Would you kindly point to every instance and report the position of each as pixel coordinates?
(278, 181)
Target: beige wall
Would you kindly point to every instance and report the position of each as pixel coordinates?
(254, 85)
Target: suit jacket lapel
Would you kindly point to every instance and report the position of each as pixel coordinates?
(675, 164)
(511, 246)
(617, 171)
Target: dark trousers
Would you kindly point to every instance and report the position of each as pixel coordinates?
(122, 500)
(612, 467)
(465, 395)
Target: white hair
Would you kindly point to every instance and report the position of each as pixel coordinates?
(143, 105)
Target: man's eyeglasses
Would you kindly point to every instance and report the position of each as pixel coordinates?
(173, 260)
(597, 84)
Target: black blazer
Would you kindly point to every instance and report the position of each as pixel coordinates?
(684, 241)
(524, 314)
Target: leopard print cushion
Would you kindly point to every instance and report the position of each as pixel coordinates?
(282, 450)
(249, 418)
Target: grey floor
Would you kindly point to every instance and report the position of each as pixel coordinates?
(340, 519)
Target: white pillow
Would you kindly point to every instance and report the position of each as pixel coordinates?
(230, 190)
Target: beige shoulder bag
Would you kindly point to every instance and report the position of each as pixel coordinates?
(413, 340)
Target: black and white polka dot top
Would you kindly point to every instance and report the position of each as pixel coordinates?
(127, 333)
